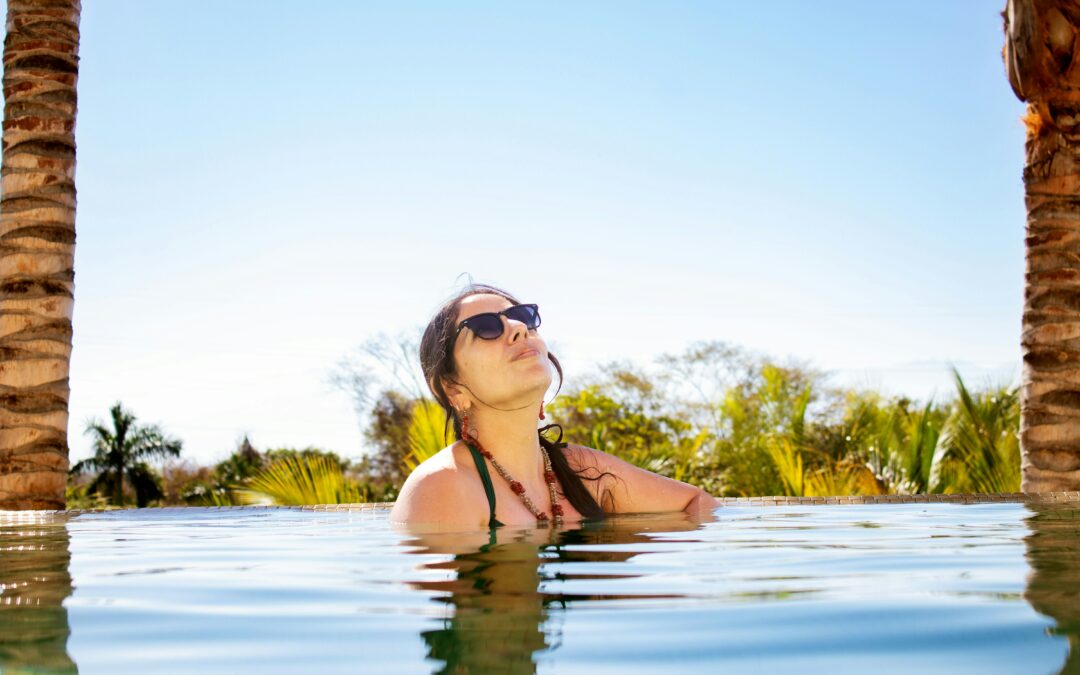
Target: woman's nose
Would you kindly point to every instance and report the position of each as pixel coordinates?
(516, 330)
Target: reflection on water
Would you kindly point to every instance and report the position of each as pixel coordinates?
(1053, 585)
(500, 613)
(34, 582)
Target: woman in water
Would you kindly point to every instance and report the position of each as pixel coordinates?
(489, 369)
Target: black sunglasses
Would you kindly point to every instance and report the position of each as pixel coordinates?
(488, 326)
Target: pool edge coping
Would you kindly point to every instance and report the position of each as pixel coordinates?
(963, 498)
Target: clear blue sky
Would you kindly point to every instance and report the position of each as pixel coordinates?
(263, 185)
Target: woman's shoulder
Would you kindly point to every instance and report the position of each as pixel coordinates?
(441, 489)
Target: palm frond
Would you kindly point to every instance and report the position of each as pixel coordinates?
(903, 451)
(86, 465)
(798, 418)
(978, 450)
(789, 464)
(300, 480)
(123, 422)
(427, 433)
(100, 432)
(919, 463)
(150, 442)
(687, 454)
(828, 480)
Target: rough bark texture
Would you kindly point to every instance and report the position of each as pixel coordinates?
(37, 247)
(1040, 46)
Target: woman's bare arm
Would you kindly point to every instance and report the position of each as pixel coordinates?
(638, 490)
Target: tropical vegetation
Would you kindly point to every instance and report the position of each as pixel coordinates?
(739, 425)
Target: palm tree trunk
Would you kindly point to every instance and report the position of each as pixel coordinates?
(1040, 59)
(37, 247)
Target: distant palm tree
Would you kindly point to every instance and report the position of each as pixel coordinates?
(1041, 53)
(37, 246)
(121, 452)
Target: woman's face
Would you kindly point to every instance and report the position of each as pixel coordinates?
(508, 372)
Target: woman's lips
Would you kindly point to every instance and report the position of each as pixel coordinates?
(526, 353)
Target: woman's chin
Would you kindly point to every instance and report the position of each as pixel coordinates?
(537, 378)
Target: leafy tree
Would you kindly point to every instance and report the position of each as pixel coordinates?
(179, 479)
(630, 414)
(752, 415)
(337, 461)
(382, 378)
(121, 454)
(387, 436)
(243, 463)
(214, 486)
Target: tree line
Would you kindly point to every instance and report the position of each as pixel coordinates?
(718, 416)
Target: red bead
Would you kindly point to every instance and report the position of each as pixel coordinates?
(556, 509)
(542, 516)
(517, 487)
(484, 452)
(549, 476)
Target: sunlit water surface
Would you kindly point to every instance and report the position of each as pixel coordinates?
(897, 588)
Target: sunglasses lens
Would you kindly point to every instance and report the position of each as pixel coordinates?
(526, 314)
(489, 326)
(486, 326)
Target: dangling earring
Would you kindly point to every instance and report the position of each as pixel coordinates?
(465, 426)
(541, 409)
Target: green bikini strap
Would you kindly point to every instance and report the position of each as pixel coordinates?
(485, 477)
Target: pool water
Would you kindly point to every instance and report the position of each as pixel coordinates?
(891, 588)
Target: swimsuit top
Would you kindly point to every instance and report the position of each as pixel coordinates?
(485, 477)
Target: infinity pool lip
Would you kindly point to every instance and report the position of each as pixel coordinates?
(962, 498)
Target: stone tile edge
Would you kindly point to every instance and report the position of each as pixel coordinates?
(975, 498)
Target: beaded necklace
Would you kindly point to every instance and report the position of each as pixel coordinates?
(519, 489)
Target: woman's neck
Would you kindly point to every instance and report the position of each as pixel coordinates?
(510, 436)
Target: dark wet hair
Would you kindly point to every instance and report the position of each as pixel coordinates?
(437, 363)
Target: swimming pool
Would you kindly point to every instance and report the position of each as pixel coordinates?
(988, 587)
